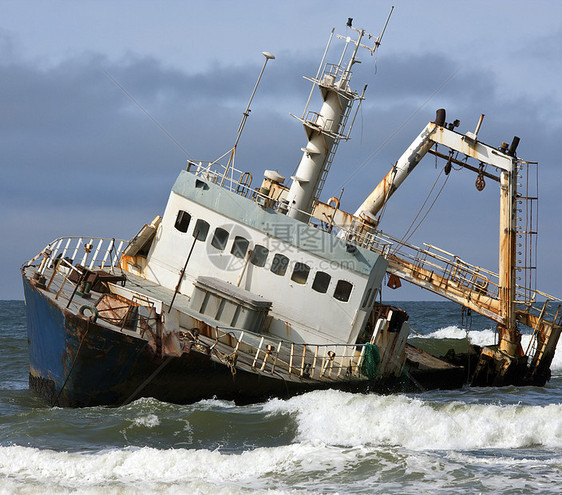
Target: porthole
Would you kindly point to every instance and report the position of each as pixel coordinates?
(259, 255)
(343, 290)
(201, 230)
(279, 264)
(239, 247)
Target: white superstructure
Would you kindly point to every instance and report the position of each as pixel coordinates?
(325, 129)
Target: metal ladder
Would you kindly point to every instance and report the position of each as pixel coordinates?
(527, 227)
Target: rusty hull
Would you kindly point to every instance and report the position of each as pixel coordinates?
(76, 362)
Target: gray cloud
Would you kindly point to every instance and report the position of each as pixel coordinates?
(79, 157)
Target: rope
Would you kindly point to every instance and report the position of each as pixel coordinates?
(466, 321)
(387, 196)
(227, 359)
(192, 337)
(158, 124)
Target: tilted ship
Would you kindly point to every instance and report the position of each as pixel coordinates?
(243, 293)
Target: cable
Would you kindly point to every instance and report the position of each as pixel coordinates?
(161, 127)
(407, 235)
(427, 212)
(423, 204)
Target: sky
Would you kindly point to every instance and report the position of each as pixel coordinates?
(83, 155)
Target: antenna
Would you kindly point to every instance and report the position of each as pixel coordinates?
(379, 39)
(268, 56)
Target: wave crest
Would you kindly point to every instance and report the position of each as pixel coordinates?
(338, 418)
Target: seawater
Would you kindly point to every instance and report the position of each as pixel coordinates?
(477, 440)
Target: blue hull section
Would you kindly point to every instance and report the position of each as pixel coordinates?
(73, 361)
(76, 363)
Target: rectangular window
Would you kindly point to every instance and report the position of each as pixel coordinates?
(182, 221)
(343, 290)
(259, 255)
(300, 273)
(321, 282)
(220, 238)
(201, 230)
(279, 264)
(240, 247)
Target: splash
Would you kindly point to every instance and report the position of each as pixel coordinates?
(399, 420)
(156, 471)
(149, 421)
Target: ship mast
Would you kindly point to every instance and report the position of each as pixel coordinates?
(510, 337)
(325, 129)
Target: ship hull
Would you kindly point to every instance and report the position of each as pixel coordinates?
(75, 362)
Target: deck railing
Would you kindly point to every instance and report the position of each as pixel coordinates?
(230, 178)
(69, 256)
(90, 252)
(271, 355)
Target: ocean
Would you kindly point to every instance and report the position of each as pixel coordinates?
(477, 440)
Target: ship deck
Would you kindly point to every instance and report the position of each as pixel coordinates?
(238, 349)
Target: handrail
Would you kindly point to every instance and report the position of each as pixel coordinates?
(267, 354)
(89, 252)
(217, 173)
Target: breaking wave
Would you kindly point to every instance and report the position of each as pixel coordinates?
(171, 471)
(410, 422)
(341, 442)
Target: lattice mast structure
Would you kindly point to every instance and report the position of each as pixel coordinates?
(326, 128)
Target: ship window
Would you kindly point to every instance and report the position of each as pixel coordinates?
(239, 247)
(201, 230)
(321, 282)
(259, 255)
(343, 290)
(300, 273)
(182, 221)
(279, 264)
(220, 238)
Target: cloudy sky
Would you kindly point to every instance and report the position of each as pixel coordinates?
(80, 157)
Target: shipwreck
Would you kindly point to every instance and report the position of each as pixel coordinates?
(245, 292)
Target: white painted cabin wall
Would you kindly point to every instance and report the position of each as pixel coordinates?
(300, 314)
(327, 318)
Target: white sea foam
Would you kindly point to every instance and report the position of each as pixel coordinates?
(417, 424)
(155, 471)
(478, 337)
(215, 403)
(149, 421)
(346, 443)
(299, 468)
